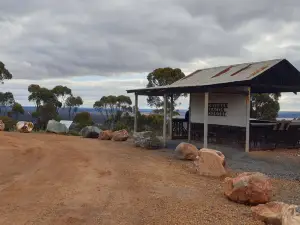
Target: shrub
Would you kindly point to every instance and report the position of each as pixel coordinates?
(83, 119)
(10, 123)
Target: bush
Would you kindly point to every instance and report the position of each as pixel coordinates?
(10, 123)
(83, 119)
(120, 126)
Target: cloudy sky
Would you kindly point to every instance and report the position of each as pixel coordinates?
(101, 47)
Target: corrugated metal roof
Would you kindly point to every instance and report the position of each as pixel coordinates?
(225, 74)
(284, 78)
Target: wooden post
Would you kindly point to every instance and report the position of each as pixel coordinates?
(171, 116)
(136, 113)
(205, 119)
(165, 121)
(189, 122)
(248, 109)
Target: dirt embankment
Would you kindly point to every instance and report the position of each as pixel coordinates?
(51, 179)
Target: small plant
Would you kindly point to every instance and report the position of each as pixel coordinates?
(83, 119)
(10, 123)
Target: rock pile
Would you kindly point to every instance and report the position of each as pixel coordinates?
(24, 127)
(106, 135)
(121, 135)
(277, 213)
(250, 188)
(2, 125)
(56, 127)
(186, 151)
(147, 140)
(90, 132)
(210, 162)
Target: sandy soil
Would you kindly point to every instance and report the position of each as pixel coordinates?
(51, 179)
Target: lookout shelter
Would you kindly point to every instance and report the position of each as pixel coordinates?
(220, 102)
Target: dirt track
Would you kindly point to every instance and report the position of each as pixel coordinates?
(50, 179)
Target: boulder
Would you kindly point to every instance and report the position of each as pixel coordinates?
(2, 125)
(277, 213)
(147, 140)
(120, 135)
(90, 132)
(251, 188)
(186, 151)
(56, 127)
(210, 162)
(24, 127)
(106, 135)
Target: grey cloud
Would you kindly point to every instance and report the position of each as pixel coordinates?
(73, 39)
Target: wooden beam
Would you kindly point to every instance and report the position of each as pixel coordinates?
(165, 121)
(205, 119)
(136, 112)
(248, 110)
(171, 117)
(189, 122)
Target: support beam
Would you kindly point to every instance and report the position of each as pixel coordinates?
(248, 108)
(171, 117)
(189, 122)
(165, 121)
(205, 119)
(136, 112)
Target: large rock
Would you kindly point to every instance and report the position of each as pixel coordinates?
(186, 151)
(210, 162)
(24, 127)
(277, 213)
(56, 127)
(147, 140)
(2, 125)
(90, 132)
(252, 188)
(106, 135)
(120, 135)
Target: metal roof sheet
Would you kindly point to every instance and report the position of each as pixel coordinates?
(225, 74)
(284, 78)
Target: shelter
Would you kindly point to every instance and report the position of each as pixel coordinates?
(220, 96)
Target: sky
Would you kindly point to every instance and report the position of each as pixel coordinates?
(100, 47)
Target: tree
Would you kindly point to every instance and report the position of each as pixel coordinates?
(41, 95)
(17, 108)
(162, 77)
(113, 107)
(62, 93)
(6, 100)
(73, 103)
(265, 106)
(4, 73)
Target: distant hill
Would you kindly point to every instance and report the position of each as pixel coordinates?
(98, 118)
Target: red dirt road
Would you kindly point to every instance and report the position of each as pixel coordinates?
(51, 179)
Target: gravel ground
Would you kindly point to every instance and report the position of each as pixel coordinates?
(52, 179)
(273, 164)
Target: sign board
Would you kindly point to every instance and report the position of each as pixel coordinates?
(217, 109)
(223, 109)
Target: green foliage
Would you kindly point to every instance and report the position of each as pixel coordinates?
(265, 106)
(162, 77)
(47, 112)
(73, 103)
(61, 93)
(4, 73)
(112, 107)
(17, 109)
(9, 122)
(41, 95)
(35, 114)
(83, 119)
(6, 100)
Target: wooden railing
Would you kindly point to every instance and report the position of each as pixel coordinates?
(179, 129)
(284, 134)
